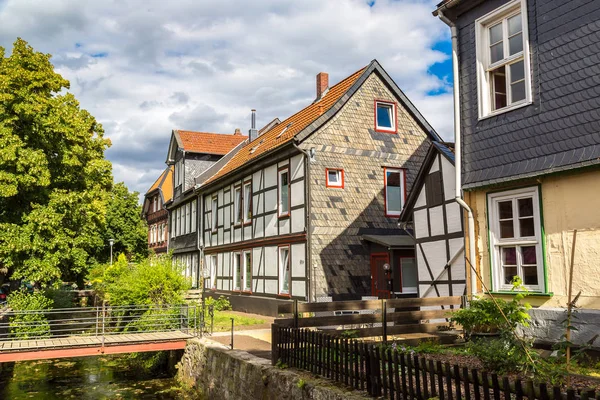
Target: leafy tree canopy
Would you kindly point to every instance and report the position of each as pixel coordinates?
(54, 179)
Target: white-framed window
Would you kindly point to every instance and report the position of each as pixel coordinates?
(285, 278)
(160, 233)
(193, 222)
(213, 213)
(283, 192)
(237, 271)
(385, 116)
(213, 271)
(247, 259)
(154, 205)
(516, 239)
(503, 66)
(237, 205)
(394, 191)
(248, 202)
(173, 223)
(334, 178)
(179, 173)
(179, 221)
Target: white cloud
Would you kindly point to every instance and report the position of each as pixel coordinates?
(143, 68)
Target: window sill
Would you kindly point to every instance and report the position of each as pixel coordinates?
(531, 294)
(283, 216)
(248, 223)
(284, 295)
(390, 131)
(505, 110)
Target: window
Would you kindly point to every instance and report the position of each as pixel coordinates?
(247, 202)
(433, 189)
(237, 205)
(283, 190)
(213, 213)
(173, 223)
(179, 173)
(394, 191)
(408, 277)
(334, 178)
(284, 270)
(515, 239)
(237, 271)
(385, 117)
(503, 70)
(154, 205)
(179, 221)
(193, 228)
(186, 218)
(160, 233)
(247, 271)
(213, 272)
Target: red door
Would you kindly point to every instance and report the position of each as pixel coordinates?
(379, 278)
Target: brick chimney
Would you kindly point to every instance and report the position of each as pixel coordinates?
(237, 132)
(322, 83)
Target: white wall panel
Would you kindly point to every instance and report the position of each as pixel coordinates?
(453, 217)
(237, 234)
(271, 286)
(297, 166)
(271, 262)
(284, 226)
(298, 260)
(270, 176)
(259, 227)
(226, 216)
(258, 264)
(458, 267)
(421, 199)
(247, 232)
(435, 252)
(448, 174)
(298, 288)
(421, 224)
(435, 165)
(226, 197)
(298, 220)
(270, 224)
(297, 193)
(257, 204)
(282, 163)
(436, 220)
(271, 200)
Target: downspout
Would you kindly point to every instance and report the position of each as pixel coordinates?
(457, 151)
(311, 297)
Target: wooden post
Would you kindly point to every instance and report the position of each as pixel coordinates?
(274, 344)
(570, 308)
(384, 320)
(295, 311)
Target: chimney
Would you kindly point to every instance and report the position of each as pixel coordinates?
(253, 133)
(237, 132)
(322, 83)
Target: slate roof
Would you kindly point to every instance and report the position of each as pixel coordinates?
(303, 123)
(561, 129)
(209, 143)
(446, 150)
(165, 184)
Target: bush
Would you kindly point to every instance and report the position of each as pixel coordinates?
(500, 355)
(33, 323)
(220, 304)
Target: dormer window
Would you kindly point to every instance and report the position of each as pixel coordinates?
(503, 70)
(385, 116)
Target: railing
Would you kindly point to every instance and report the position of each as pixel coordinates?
(98, 321)
(384, 371)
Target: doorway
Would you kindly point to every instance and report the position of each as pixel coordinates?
(380, 278)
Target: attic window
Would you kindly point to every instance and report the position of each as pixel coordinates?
(385, 117)
(252, 150)
(283, 131)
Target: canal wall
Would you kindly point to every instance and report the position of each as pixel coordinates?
(212, 371)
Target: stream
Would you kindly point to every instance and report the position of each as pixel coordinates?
(86, 378)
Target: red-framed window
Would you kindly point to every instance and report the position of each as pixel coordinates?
(285, 270)
(247, 197)
(334, 178)
(394, 190)
(283, 192)
(247, 268)
(386, 116)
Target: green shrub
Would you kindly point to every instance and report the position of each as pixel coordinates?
(501, 355)
(33, 322)
(220, 304)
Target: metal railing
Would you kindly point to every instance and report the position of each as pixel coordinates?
(99, 321)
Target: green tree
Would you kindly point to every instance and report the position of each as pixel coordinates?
(54, 180)
(125, 225)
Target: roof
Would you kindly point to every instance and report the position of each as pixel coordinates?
(303, 123)
(391, 241)
(445, 149)
(164, 184)
(208, 143)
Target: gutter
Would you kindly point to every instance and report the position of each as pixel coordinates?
(457, 145)
(307, 158)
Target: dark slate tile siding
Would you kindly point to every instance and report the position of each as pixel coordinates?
(561, 129)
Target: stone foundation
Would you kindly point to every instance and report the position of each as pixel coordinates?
(214, 372)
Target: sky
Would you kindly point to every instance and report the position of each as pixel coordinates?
(144, 68)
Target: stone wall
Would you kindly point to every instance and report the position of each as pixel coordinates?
(212, 371)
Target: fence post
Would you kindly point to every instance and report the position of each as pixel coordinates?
(103, 317)
(295, 311)
(274, 344)
(231, 333)
(384, 320)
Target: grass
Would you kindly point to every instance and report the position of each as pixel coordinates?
(222, 321)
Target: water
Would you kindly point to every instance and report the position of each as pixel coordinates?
(86, 378)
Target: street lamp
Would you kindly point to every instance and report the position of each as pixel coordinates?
(111, 242)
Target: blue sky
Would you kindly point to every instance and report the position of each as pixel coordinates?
(143, 68)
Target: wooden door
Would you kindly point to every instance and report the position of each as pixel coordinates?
(379, 282)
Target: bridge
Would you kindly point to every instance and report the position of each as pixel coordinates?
(91, 331)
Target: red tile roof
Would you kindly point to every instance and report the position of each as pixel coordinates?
(284, 132)
(209, 143)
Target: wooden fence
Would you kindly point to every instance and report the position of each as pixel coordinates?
(393, 317)
(383, 371)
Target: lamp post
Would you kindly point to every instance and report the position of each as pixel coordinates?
(111, 242)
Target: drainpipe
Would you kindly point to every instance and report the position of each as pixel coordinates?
(311, 296)
(457, 151)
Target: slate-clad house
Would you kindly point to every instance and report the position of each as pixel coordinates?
(155, 213)
(191, 153)
(436, 218)
(528, 87)
(299, 210)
